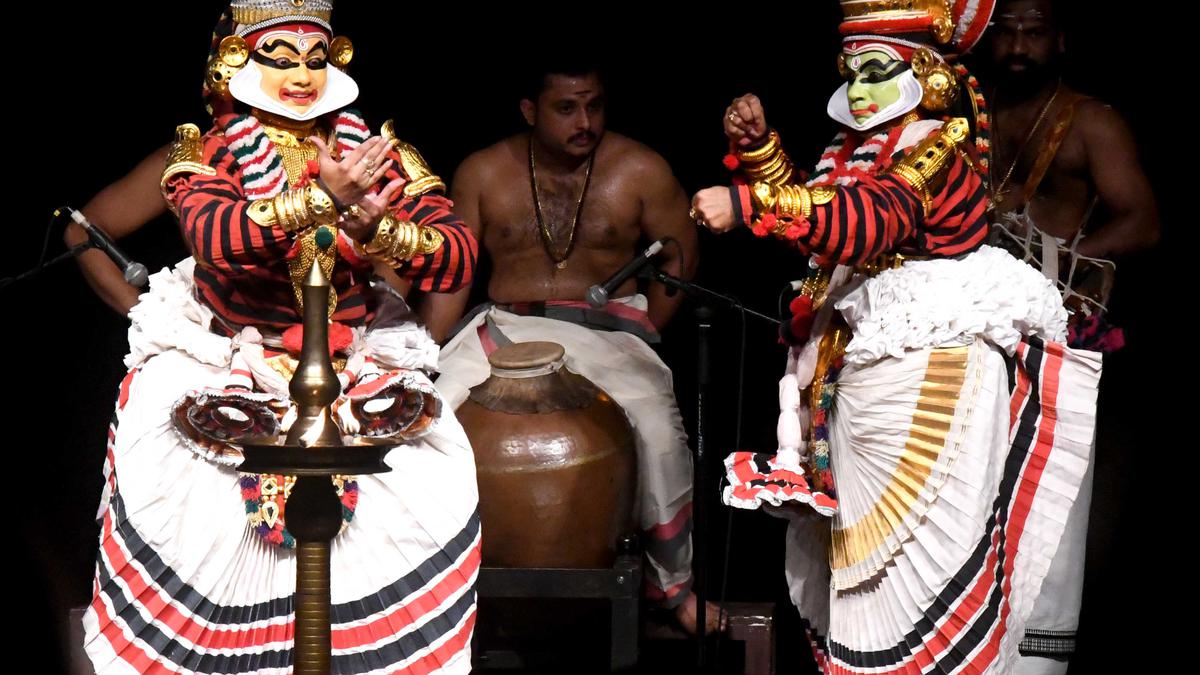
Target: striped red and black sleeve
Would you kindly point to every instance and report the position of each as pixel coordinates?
(213, 217)
(957, 222)
(452, 266)
(883, 213)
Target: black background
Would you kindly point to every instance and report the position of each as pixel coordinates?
(91, 91)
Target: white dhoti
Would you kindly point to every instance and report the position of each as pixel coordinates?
(184, 584)
(625, 367)
(1052, 626)
(1050, 632)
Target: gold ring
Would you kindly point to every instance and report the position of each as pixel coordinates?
(692, 214)
(354, 211)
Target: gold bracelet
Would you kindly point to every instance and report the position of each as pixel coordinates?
(778, 172)
(792, 200)
(795, 201)
(406, 243)
(294, 210)
(763, 152)
(292, 207)
(767, 162)
(397, 241)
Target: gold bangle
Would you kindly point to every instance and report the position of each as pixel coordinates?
(762, 152)
(396, 241)
(777, 173)
(294, 210)
(406, 242)
(794, 200)
(290, 210)
(768, 162)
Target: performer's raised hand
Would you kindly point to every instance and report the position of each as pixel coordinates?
(350, 178)
(360, 220)
(745, 123)
(712, 208)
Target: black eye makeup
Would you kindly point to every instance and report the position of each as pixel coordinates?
(289, 58)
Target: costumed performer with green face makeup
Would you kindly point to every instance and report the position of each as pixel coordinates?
(933, 428)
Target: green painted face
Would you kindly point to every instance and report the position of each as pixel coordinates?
(874, 84)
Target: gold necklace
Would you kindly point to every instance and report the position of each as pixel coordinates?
(998, 191)
(291, 141)
(559, 256)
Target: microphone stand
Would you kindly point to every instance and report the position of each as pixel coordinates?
(69, 253)
(696, 291)
(704, 318)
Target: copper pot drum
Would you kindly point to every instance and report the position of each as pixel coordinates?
(556, 462)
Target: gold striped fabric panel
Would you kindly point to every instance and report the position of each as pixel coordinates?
(860, 549)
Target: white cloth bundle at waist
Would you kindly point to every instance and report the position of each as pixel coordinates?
(169, 317)
(947, 303)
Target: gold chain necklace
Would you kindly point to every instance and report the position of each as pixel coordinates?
(998, 190)
(559, 256)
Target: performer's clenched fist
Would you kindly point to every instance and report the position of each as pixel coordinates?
(712, 208)
(745, 123)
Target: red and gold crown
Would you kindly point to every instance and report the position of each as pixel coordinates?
(952, 26)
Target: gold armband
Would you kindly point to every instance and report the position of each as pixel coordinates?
(922, 167)
(186, 156)
(295, 209)
(822, 194)
(767, 163)
(421, 178)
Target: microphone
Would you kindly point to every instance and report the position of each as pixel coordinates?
(135, 272)
(597, 296)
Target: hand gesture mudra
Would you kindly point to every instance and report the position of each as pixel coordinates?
(349, 179)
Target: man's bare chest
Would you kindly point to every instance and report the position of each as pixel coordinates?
(604, 215)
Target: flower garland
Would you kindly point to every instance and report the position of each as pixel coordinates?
(266, 495)
(822, 474)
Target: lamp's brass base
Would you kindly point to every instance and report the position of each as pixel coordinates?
(314, 516)
(349, 460)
